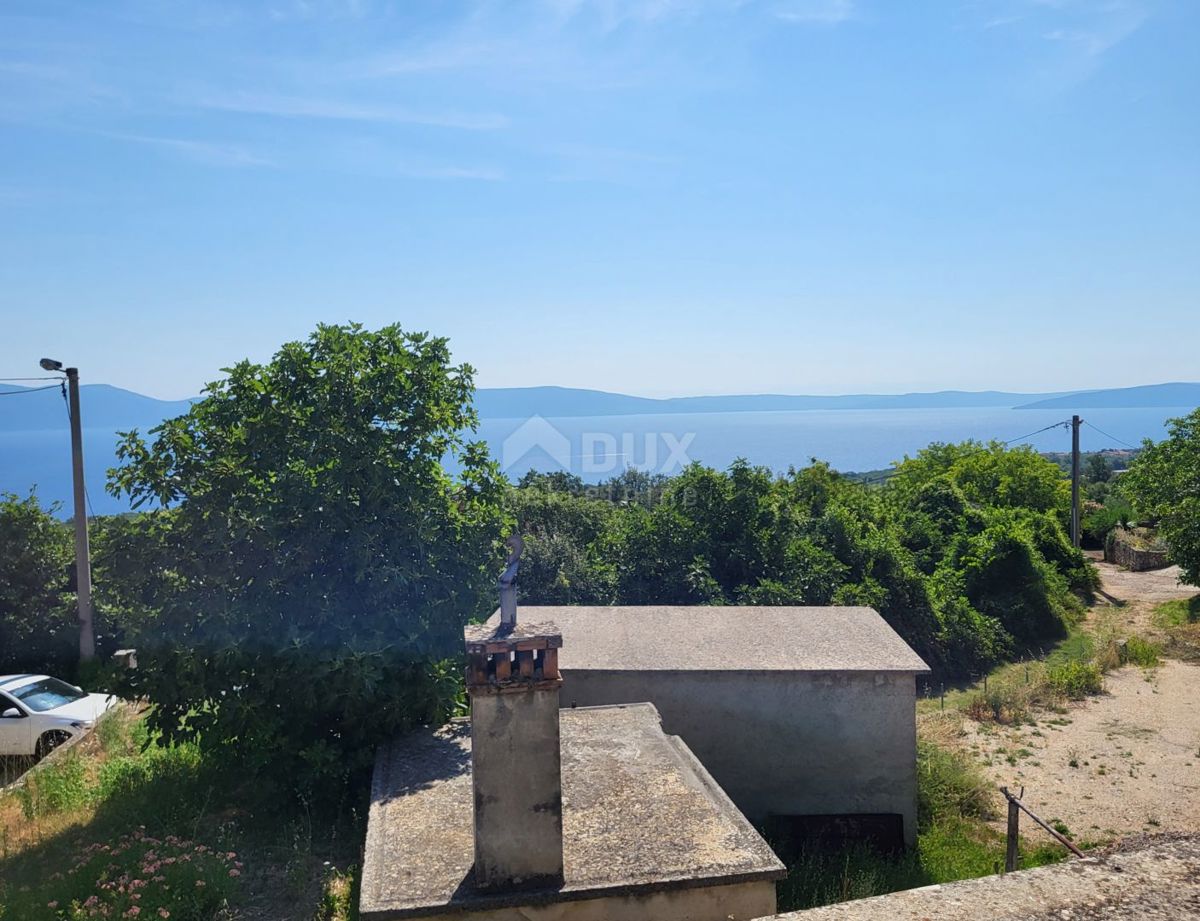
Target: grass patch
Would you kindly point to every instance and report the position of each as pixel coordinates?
(57, 787)
(98, 815)
(339, 895)
(949, 786)
(1178, 613)
(954, 842)
(137, 875)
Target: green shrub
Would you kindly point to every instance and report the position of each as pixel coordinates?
(1141, 652)
(38, 630)
(1075, 679)
(1101, 522)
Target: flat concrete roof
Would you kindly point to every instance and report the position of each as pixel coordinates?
(640, 814)
(725, 638)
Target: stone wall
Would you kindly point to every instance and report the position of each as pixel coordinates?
(1119, 549)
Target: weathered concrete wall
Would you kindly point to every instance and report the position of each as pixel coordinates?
(738, 902)
(784, 743)
(517, 774)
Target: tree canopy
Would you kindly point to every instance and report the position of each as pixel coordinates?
(312, 560)
(962, 551)
(1164, 483)
(38, 627)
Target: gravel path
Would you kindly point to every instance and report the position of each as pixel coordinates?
(1135, 594)
(1127, 761)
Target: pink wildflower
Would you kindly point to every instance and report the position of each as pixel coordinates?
(235, 872)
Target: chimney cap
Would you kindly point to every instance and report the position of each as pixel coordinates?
(512, 657)
(485, 639)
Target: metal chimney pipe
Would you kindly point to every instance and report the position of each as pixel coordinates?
(508, 583)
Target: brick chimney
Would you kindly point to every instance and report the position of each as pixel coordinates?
(513, 682)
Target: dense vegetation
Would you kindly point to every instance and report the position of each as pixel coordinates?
(301, 564)
(311, 563)
(297, 588)
(962, 549)
(1164, 483)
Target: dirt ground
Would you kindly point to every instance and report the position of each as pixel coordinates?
(1126, 761)
(1133, 595)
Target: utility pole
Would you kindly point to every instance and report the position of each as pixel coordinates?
(83, 561)
(83, 564)
(1075, 536)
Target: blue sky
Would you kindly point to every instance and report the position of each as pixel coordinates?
(652, 196)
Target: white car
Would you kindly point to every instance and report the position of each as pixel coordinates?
(38, 713)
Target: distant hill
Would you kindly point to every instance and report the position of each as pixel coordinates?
(1150, 395)
(35, 441)
(521, 402)
(113, 408)
(103, 407)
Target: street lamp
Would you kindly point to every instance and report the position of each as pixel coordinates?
(83, 566)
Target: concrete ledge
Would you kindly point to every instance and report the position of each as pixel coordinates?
(1148, 879)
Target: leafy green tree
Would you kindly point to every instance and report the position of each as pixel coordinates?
(319, 560)
(988, 475)
(562, 530)
(38, 627)
(1164, 484)
(1097, 469)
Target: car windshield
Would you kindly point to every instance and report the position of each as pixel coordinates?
(47, 694)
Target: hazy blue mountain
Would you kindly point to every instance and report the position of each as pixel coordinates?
(103, 407)
(113, 408)
(1150, 395)
(857, 432)
(521, 402)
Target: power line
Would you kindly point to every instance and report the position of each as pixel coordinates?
(9, 380)
(1054, 425)
(1113, 437)
(17, 393)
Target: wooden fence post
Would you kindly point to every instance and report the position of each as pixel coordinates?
(1011, 857)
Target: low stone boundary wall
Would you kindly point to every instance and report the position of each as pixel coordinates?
(1118, 549)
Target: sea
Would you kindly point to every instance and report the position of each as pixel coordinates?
(598, 447)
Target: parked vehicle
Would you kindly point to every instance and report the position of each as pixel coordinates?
(38, 713)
